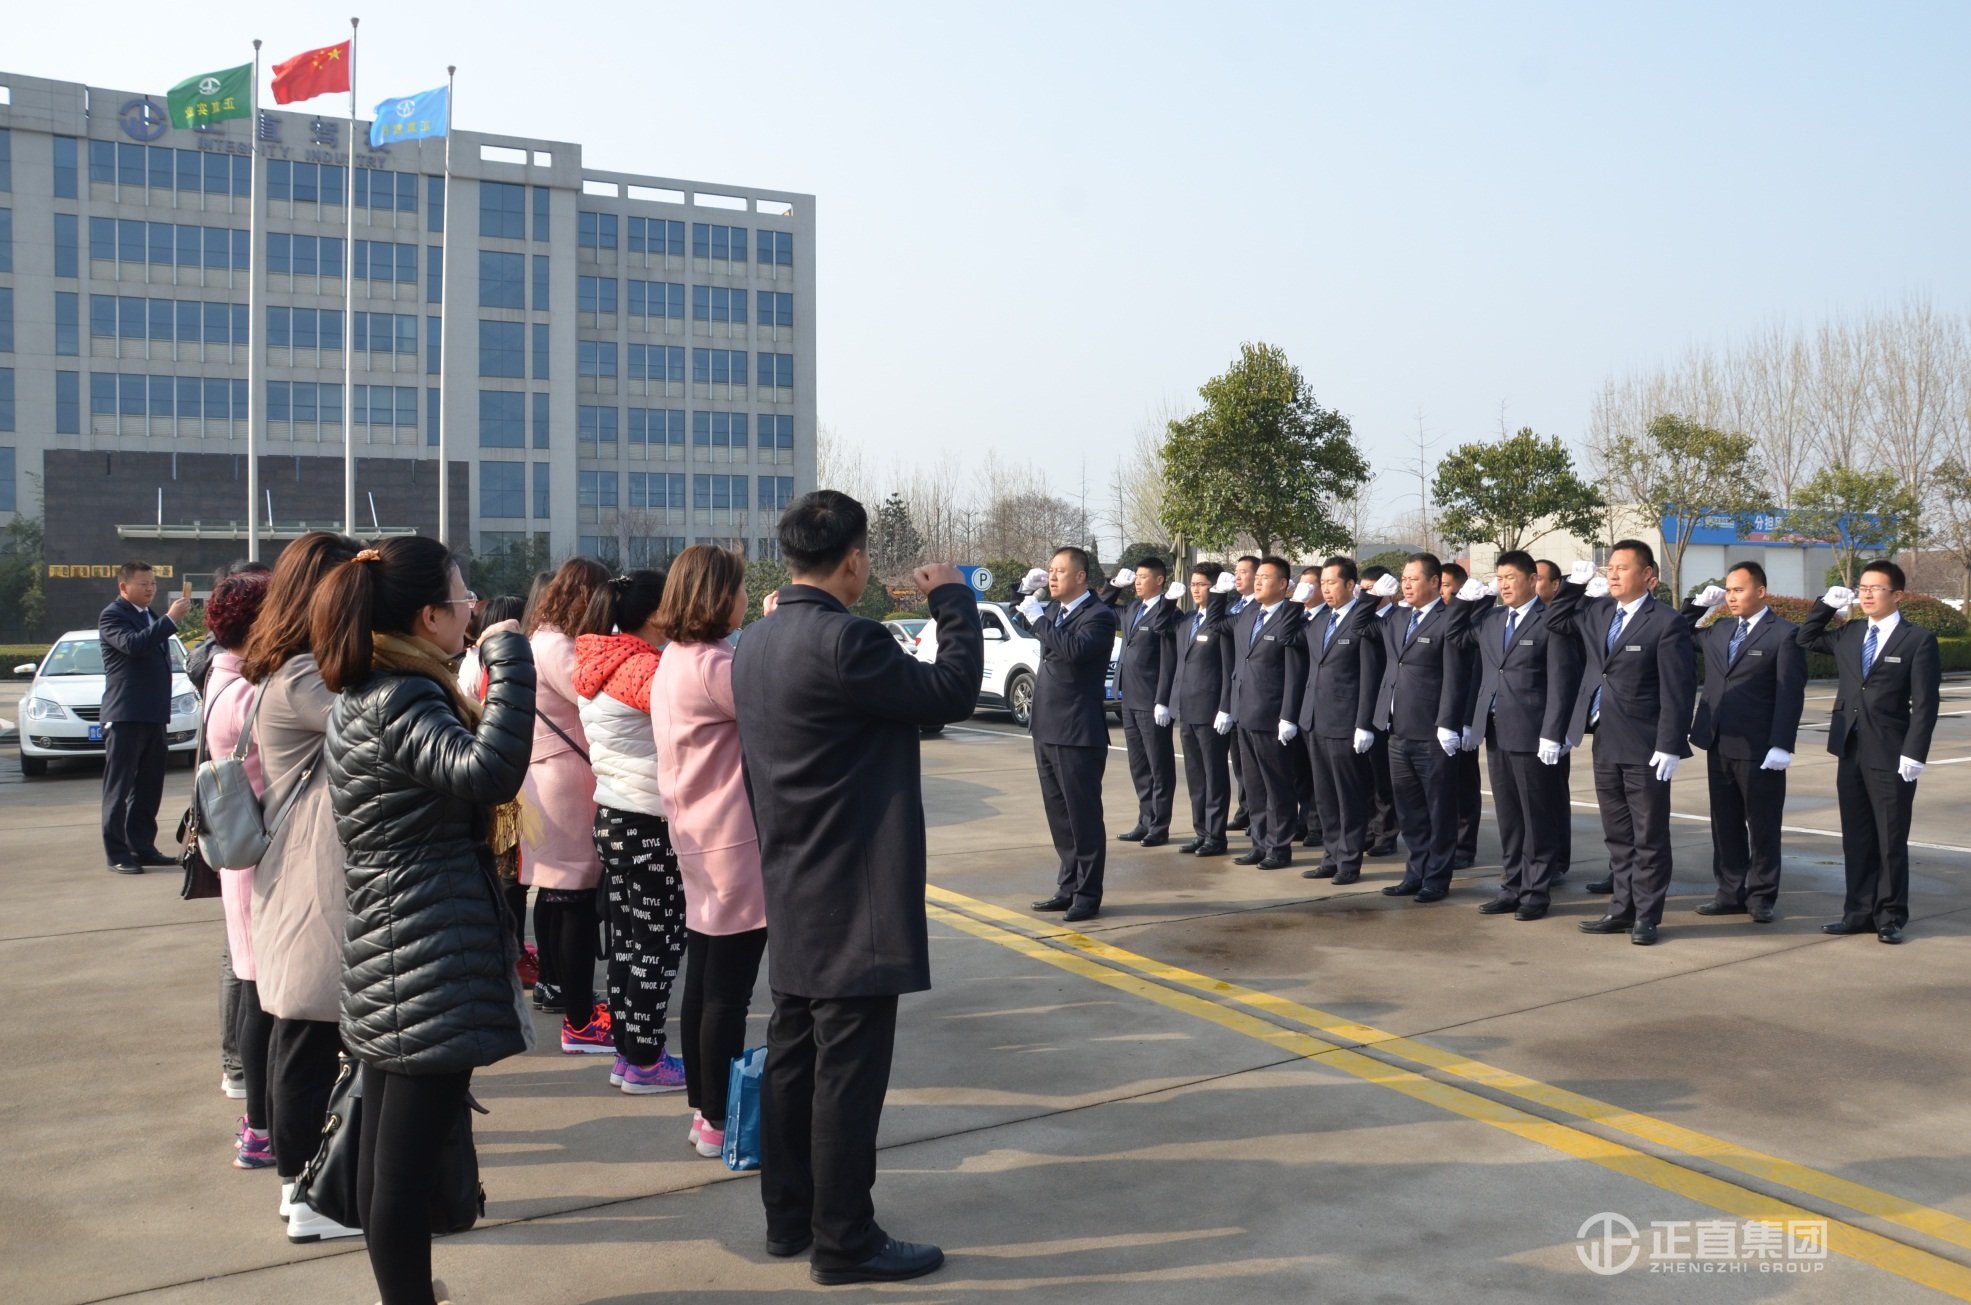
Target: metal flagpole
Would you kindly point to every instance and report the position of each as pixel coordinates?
(444, 320)
(349, 310)
(255, 327)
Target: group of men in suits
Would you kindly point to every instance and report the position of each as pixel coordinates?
(1355, 704)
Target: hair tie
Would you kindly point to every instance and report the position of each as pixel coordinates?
(369, 555)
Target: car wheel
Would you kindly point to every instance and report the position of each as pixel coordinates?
(33, 767)
(1019, 698)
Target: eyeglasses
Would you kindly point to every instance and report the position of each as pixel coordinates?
(1875, 589)
(470, 600)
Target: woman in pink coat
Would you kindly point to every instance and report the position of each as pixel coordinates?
(557, 841)
(691, 713)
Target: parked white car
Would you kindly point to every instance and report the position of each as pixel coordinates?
(1011, 658)
(60, 716)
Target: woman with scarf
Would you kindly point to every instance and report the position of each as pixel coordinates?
(421, 774)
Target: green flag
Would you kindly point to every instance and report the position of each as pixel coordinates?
(212, 97)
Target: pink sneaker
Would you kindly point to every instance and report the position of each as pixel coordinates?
(667, 1075)
(594, 1039)
(697, 1123)
(711, 1142)
(256, 1151)
(616, 1070)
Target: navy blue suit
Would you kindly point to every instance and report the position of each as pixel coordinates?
(1143, 680)
(136, 708)
(1344, 675)
(1070, 727)
(1269, 674)
(1200, 688)
(1424, 690)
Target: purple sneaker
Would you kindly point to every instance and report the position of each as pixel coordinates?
(256, 1151)
(667, 1075)
(616, 1070)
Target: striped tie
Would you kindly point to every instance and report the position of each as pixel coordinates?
(1608, 646)
(1737, 640)
(1868, 651)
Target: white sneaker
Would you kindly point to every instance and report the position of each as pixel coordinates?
(233, 1087)
(287, 1199)
(304, 1225)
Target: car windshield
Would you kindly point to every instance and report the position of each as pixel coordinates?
(85, 657)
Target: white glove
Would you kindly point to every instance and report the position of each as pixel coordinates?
(1302, 592)
(1710, 598)
(1907, 769)
(1839, 599)
(1664, 764)
(1287, 731)
(1470, 739)
(1581, 572)
(1035, 581)
(1364, 740)
(1385, 586)
(1126, 575)
(1033, 609)
(1223, 723)
(1161, 715)
(1550, 752)
(1598, 587)
(1225, 583)
(1471, 591)
(1449, 741)
(1776, 759)
(1492, 588)
(1176, 590)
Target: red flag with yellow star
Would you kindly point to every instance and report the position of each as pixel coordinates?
(312, 73)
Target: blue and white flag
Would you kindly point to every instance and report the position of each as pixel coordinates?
(412, 117)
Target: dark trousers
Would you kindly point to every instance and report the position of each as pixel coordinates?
(1208, 776)
(821, 1099)
(133, 785)
(1382, 804)
(1071, 794)
(1746, 808)
(1875, 812)
(565, 923)
(1239, 780)
(301, 1068)
(1635, 823)
(643, 900)
(720, 971)
(1530, 801)
(1152, 768)
(255, 1027)
(405, 1119)
(1307, 811)
(1564, 827)
(1273, 804)
(1427, 809)
(1343, 787)
(1465, 785)
(229, 1014)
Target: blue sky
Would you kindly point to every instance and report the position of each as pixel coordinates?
(1041, 224)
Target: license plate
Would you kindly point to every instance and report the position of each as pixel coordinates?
(95, 734)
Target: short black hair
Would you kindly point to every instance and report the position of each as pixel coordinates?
(1372, 573)
(1553, 567)
(1518, 559)
(1347, 565)
(1644, 553)
(1080, 556)
(1209, 570)
(1432, 567)
(1155, 564)
(1889, 569)
(1456, 570)
(1285, 567)
(1750, 568)
(131, 570)
(819, 529)
(1250, 558)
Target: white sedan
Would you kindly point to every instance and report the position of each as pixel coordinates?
(60, 716)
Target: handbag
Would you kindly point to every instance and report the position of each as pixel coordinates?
(742, 1110)
(327, 1184)
(233, 830)
(201, 880)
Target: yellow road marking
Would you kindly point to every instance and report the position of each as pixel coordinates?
(1207, 999)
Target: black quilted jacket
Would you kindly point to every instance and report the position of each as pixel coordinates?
(428, 983)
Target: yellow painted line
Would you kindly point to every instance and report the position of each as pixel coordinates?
(1137, 975)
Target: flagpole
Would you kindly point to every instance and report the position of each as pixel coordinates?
(349, 310)
(444, 318)
(255, 327)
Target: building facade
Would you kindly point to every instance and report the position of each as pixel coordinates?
(622, 364)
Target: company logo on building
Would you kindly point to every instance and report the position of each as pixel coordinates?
(142, 120)
(1609, 1244)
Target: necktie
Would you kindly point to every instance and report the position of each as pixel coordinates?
(1409, 633)
(1257, 622)
(1737, 640)
(1197, 624)
(1512, 626)
(1141, 612)
(1868, 650)
(1328, 635)
(1608, 646)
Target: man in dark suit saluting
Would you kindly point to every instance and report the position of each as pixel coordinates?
(1269, 673)
(1201, 695)
(136, 708)
(1070, 727)
(1637, 686)
(1337, 716)
(1748, 718)
(1143, 679)
(1883, 717)
(829, 712)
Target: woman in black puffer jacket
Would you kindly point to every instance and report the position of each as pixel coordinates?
(419, 771)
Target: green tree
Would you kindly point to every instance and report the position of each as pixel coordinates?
(763, 576)
(1262, 459)
(1007, 572)
(1500, 492)
(23, 594)
(896, 546)
(1692, 474)
(1864, 514)
(510, 568)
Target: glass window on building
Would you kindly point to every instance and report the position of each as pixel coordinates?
(500, 420)
(502, 210)
(66, 181)
(8, 500)
(540, 421)
(502, 489)
(502, 350)
(7, 398)
(500, 283)
(434, 204)
(541, 496)
(596, 230)
(542, 201)
(540, 283)
(68, 403)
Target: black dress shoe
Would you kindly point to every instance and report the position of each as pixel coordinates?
(1212, 848)
(1643, 935)
(1841, 928)
(1253, 857)
(1404, 889)
(1892, 934)
(1154, 840)
(894, 1263)
(1383, 849)
(1239, 823)
(1276, 863)
(1762, 915)
(156, 858)
(1345, 877)
(1134, 834)
(1499, 906)
(1557, 880)
(1602, 886)
(126, 868)
(1608, 924)
(1077, 913)
(790, 1247)
(1190, 847)
(1313, 839)
(1721, 908)
(1530, 913)
(1463, 862)
(1325, 870)
(1054, 903)
(1433, 895)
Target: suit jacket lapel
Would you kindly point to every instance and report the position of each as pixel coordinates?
(1759, 637)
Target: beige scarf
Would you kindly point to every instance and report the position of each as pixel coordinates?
(415, 656)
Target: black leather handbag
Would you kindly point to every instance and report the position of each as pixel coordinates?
(328, 1184)
(201, 880)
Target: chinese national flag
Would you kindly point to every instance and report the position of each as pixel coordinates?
(312, 73)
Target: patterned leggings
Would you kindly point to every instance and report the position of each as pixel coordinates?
(644, 898)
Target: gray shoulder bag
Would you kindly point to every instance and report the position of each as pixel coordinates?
(233, 831)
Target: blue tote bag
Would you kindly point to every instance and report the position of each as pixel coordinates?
(742, 1110)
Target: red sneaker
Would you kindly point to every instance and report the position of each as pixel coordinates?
(593, 1040)
(528, 966)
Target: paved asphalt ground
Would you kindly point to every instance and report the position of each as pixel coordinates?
(1234, 1085)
